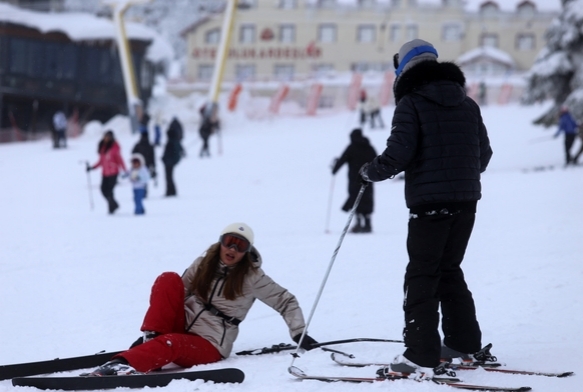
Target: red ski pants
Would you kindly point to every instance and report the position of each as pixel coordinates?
(166, 316)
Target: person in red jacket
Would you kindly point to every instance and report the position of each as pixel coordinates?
(111, 162)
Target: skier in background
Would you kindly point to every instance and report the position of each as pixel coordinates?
(374, 113)
(209, 124)
(569, 126)
(60, 127)
(189, 322)
(111, 162)
(362, 107)
(173, 153)
(439, 140)
(139, 177)
(144, 148)
(358, 152)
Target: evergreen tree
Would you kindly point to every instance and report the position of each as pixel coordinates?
(557, 73)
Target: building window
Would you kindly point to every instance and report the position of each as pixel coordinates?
(489, 39)
(246, 4)
(366, 33)
(288, 4)
(525, 41)
(287, 33)
(327, 33)
(212, 37)
(526, 9)
(205, 72)
(327, 3)
(244, 72)
(489, 8)
(451, 32)
(322, 69)
(247, 34)
(364, 66)
(283, 72)
(367, 3)
(411, 32)
(48, 60)
(395, 33)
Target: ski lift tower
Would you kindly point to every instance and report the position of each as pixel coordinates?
(135, 109)
(212, 108)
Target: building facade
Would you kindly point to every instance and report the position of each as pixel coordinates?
(291, 40)
(44, 67)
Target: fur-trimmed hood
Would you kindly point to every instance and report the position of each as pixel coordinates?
(443, 83)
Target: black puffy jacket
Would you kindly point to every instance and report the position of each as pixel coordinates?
(358, 152)
(437, 138)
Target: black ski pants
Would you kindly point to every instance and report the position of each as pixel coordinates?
(436, 246)
(569, 141)
(107, 185)
(170, 186)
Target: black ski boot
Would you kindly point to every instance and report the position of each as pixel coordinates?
(357, 228)
(367, 228)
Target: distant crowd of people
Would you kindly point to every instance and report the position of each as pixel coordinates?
(143, 163)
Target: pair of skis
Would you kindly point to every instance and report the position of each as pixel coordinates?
(487, 366)
(449, 381)
(22, 374)
(341, 358)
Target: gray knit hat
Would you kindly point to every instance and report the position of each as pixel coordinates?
(413, 52)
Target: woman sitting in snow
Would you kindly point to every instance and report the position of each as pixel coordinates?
(194, 319)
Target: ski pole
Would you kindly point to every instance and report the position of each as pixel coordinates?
(89, 186)
(288, 347)
(541, 139)
(329, 205)
(327, 274)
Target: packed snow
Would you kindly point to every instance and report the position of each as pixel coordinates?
(76, 280)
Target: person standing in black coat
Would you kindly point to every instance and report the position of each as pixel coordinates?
(146, 149)
(438, 138)
(173, 152)
(209, 124)
(358, 152)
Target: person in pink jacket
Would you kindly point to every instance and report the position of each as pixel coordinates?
(111, 162)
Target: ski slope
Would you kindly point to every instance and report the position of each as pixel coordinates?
(75, 281)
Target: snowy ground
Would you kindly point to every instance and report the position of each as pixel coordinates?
(75, 281)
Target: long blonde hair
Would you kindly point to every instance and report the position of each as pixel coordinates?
(207, 270)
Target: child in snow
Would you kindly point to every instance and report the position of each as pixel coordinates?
(139, 177)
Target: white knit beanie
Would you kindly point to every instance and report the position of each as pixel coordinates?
(413, 52)
(241, 229)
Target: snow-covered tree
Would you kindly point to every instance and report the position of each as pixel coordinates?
(557, 73)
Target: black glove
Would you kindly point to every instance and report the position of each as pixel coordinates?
(364, 173)
(306, 343)
(333, 165)
(87, 167)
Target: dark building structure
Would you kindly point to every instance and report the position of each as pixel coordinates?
(42, 72)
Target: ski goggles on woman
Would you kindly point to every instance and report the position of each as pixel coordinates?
(235, 241)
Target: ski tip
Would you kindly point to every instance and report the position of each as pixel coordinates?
(295, 371)
(566, 374)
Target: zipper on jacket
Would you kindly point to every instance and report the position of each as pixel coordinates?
(223, 278)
